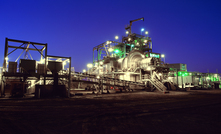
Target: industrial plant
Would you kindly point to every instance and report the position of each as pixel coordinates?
(122, 65)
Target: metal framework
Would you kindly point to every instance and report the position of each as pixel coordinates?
(23, 76)
(25, 46)
(63, 75)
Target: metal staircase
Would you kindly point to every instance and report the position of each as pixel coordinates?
(157, 83)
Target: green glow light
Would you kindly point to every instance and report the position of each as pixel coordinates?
(154, 55)
(132, 45)
(117, 51)
(183, 73)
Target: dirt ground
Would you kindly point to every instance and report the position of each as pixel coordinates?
(195, 111)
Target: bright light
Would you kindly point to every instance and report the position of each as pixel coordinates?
(116, 51)
(127, 32)
(132, 45)
(129, 39)
(110, 49)
(137, 43)
(6, 58)
(145, 41)
(162, 55)
(101, 62)
(160, 74)
(64, 62)
(98, 77)
(41, 61)
(148, 68)
(116, 37)
(84, 70)
(108, 42)
(146, 32)
(142, 29)
(89, 65)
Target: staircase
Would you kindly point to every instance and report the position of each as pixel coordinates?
(158, 84)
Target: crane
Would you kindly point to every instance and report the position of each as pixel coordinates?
(129, 26)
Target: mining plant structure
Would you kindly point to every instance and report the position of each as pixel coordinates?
(130, 60)
(122, 65)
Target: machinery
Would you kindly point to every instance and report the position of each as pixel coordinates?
(131, 59)
(133, 62)
(120, 65)
(39, 75)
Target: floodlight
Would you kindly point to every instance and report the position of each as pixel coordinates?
(116, 37)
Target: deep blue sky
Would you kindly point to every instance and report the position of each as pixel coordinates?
(186, 31)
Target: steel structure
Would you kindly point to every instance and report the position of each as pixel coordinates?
(121, 65)
(22, 74)
(130, 60)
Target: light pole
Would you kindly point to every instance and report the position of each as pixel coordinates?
(163, 56)
(142, 30)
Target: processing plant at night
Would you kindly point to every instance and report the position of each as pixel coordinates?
(125, 65)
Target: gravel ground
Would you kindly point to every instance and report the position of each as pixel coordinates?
(197, 111)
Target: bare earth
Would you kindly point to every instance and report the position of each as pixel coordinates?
(197, 111)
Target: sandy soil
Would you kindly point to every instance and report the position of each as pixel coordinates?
(197, 111)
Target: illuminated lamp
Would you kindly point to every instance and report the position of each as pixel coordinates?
(110, 49)
(89, 65)
(116, 50)
(116, 37)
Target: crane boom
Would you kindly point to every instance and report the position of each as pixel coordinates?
(129, 27)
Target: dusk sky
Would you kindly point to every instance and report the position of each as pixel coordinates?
(186, 31)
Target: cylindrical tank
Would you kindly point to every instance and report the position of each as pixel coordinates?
(132, 60)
